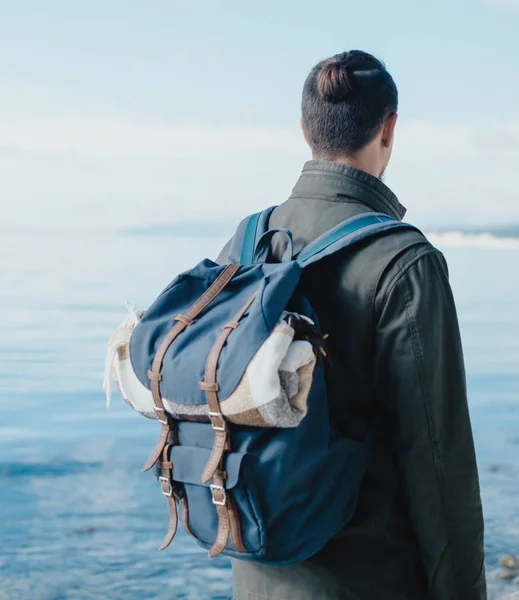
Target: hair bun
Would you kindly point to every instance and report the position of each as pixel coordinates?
(333, 81)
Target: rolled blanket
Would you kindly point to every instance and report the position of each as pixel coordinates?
(272, 392)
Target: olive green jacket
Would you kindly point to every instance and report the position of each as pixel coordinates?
(396, 362)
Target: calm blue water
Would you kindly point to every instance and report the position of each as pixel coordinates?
(78, 520)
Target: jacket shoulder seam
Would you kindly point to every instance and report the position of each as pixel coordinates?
(428, 249)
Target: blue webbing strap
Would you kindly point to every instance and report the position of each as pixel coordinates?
(247, 235)
(346, 234)
(341, 236)
(249, 240)
(245, 228)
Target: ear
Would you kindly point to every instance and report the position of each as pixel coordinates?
(303, 129)
(388, 130)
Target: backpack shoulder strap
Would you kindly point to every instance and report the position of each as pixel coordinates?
(347, 233)
(247, 235)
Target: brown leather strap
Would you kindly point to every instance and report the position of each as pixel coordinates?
(166, 484)
(185, 514)
(154, 374)
(223, 532)
(235, 526)
(172, 492)
(220, 445)
(163, 438)
(173, 523)
(228, 518)
(183, 319)
(210, 385)
(219, 496)
(179, 495)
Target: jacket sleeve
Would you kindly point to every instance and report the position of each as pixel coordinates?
(420, 376)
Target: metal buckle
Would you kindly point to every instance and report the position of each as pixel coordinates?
(221, 489)
(166, 491)
(217, 415)
(163, 410)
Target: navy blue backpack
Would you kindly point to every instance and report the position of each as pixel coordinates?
(246, 455)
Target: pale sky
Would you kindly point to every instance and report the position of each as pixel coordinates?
(124, 112)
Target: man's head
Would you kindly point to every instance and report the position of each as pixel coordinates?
(349, 111)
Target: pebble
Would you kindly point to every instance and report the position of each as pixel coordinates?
(509, 562)
(505, 575)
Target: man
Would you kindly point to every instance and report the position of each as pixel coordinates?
(395, 362)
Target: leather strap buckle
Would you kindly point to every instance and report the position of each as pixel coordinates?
(158, 410)
(218, 489)
(217, 421)
(167, 488)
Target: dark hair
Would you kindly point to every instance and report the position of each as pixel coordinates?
(346, 99)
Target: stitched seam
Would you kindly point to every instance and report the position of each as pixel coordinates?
(428, 250)
(430, 425)
(391, 285)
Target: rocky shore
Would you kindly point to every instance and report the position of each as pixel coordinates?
(509, 572)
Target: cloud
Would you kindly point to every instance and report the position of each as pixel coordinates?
(9, 151)
(104, 173)
(456, 173)
(113, 174)
(506, 4)
(117, 139)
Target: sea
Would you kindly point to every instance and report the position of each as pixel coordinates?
(78, 518)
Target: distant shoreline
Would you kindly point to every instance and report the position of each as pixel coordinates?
(477, 240)
(509, 231)
(219, 228)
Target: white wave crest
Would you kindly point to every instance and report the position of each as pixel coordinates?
(478, 240)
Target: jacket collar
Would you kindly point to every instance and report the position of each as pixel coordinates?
(340, 183)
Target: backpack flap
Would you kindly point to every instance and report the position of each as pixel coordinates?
(184, 363)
